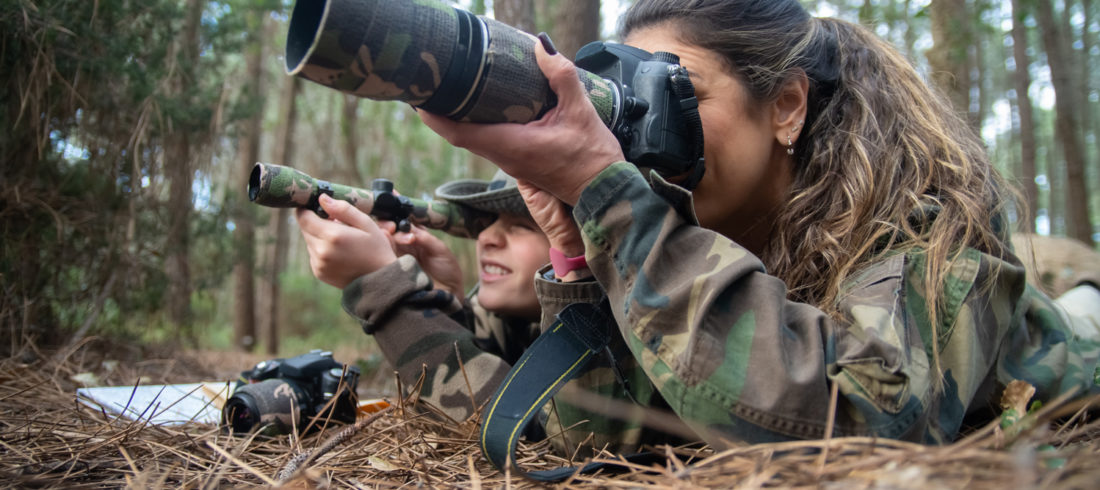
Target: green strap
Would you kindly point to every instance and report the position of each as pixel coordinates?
(581, 331)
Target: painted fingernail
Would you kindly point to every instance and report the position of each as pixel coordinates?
(547, 44)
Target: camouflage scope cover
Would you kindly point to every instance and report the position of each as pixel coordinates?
(430, 55)
(279, 186)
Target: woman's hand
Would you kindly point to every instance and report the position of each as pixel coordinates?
(554, 218)
(435, 259)
(561, 152)
(346, 247)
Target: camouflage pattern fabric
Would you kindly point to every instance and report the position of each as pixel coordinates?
(424, 330)
(613, 388)
(737, 361)
(717, 343)
(279, 186)
(403, 51)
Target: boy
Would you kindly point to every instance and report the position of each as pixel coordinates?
(403, 288)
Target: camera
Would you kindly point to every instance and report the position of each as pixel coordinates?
(450, 62)
(281, 395)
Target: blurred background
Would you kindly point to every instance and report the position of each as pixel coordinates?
(130, 126)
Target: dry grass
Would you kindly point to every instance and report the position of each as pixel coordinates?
(50, 440)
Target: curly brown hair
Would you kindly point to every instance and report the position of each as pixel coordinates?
(885, 164)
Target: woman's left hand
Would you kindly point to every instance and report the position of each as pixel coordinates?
(554, 218)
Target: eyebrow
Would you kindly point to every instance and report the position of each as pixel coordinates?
(693, 74)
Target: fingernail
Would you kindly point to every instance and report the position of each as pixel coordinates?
(324, 198)
(547, 44)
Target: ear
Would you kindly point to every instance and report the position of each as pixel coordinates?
(789, 108)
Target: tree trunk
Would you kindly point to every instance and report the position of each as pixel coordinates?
(280, 216)
(948, 57)
(180, 174)
(910, 33)
(351, 139)
(1088, 117)
(1022, 83)
(1067, 123)
(1087, 43)
(980, 78)
(516, 13)
(867, 13)
(244, 318)
(577, 23)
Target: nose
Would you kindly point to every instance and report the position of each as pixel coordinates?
(493, 236)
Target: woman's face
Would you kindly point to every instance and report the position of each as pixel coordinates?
(748, 171)
(509, 252)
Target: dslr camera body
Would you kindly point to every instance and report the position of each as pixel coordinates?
(278, 396)
(657, 115)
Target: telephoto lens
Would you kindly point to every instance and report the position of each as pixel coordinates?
(431, 55)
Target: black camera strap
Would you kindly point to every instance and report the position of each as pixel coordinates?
(689, 109)
(582, 331)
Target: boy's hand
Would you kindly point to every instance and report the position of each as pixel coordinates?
(437, 261)
(346, 247)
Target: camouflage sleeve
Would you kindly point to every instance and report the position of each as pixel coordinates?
(578, 419)
(554, 296)
(411, 323)
(1057, 348)
(737, 361)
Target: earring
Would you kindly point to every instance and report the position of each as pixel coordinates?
(790, 144)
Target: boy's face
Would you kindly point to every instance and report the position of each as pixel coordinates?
(508, 253)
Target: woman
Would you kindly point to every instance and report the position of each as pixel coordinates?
(850, 235)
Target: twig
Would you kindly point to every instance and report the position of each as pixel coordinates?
(305, 458)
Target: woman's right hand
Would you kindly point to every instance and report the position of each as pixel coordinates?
(346, 247)
(561, 152)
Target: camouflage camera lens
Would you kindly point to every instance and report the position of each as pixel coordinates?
(272, 405)
(429, 54)
(241, 414)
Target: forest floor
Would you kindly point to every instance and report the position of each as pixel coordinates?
(52, 440)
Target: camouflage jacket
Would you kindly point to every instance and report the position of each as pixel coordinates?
(422, 330)
(716, 337)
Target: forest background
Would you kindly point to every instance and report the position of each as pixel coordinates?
(130, 127)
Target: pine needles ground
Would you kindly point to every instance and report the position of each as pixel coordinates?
(52, 440)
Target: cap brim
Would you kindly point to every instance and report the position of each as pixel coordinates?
(473, 193)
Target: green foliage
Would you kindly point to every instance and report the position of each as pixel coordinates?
(91, 93)
(309, 306)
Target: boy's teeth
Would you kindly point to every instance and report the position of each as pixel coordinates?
(496, 270)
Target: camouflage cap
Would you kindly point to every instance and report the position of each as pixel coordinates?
(499, 195)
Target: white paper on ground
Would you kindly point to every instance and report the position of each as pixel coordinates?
(161, 404)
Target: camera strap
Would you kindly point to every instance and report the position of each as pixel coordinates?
(580, 331)
(689, 108)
